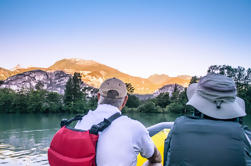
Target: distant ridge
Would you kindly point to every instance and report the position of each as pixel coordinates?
(163, 79)
(94, 73)
(4, 73)
(158, 78)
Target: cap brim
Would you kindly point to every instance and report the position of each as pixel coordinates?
(228, 110)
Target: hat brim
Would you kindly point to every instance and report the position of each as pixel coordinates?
(228, 110)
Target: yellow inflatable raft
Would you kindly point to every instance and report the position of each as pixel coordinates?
(159, 140)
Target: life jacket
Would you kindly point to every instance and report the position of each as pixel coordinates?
(74, 147)
(202, 142)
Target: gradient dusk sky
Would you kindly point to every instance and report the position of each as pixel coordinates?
(138, 37)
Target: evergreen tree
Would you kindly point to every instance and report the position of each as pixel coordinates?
(130, 88)
(36, 100)
(53, 102)
(133, 101)
(6, 100)
(68, 95)
(20, 102)
(162, 100)
(74, 99)
(194, 79)
(76, 84)
(175, 93)
(73, 91)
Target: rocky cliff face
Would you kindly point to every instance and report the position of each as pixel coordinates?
(168, 88)
(144, 96)
(51, 81)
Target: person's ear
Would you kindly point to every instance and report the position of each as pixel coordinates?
(98, 95)
(124, 102)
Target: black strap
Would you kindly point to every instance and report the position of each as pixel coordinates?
(65, 122)
(104, 124)
(113, 117)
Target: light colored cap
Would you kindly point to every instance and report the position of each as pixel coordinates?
(113, 88)
(215, 96)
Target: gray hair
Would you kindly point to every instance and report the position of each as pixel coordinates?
(114, 102)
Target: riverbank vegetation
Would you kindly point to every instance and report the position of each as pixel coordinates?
(75, 99)
(176, 102)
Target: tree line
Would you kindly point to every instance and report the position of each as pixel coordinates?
(176, 102)
(39, 100)
(76, 100)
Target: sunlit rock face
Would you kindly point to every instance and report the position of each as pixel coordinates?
(51, 81)
(4, 73)
(168, 88)
(144, 96)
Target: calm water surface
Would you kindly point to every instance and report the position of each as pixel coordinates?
(25, 138)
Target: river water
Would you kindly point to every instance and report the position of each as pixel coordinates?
(25, 138)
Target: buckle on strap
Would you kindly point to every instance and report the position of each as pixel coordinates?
(94, 129)
(99, 127)
(66, 122)
(104, 124)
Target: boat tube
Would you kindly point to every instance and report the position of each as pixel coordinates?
(158, 133)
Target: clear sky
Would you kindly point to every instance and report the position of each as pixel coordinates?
(138, 37)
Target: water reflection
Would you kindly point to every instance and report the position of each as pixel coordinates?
(25, 138)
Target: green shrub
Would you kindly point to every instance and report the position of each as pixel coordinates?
(133, 101)
(6, 100)
(148, 106)
(175, 108)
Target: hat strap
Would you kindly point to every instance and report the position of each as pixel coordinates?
(218, 103)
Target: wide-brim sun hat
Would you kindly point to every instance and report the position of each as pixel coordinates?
(215, 96)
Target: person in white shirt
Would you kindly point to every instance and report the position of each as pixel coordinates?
(121, 142)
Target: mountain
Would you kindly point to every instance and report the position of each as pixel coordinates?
(50, 81)
(4, 73)
(158, 78)
(163, 79)
(56, 81)
(94, 73)
(181, 80)
(143, 97)
(18, 66)
(168, 88)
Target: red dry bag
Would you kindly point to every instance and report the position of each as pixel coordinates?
(74, 147)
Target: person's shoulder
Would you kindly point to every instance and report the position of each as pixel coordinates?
(89, 114)
(134, 124)
(87, 121)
